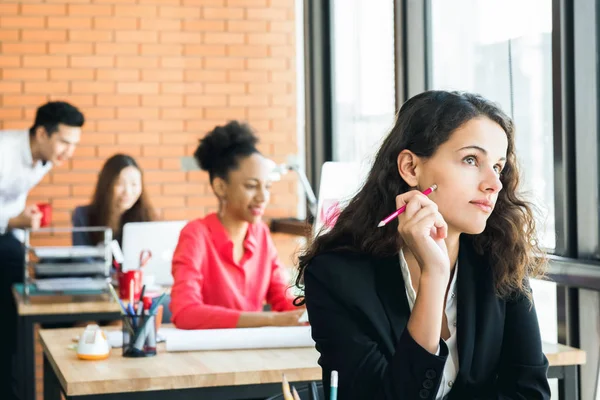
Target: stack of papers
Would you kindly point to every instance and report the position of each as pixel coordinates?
(66, 284)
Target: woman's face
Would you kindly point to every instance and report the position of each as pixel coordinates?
(466, 169)
(247, 190)
(128, 188)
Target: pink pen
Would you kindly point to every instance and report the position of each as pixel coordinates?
(399, 211)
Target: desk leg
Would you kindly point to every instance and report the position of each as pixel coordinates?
(26, 359)
(52, 390)
(568, 386)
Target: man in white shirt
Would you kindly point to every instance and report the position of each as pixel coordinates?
(25, 157)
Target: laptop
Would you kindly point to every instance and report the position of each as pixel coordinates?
(160, 238)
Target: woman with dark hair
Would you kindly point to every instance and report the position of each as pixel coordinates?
(225, 266)
(436, 304)
(119, 198)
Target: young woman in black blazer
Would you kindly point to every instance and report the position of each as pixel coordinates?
(436, 304)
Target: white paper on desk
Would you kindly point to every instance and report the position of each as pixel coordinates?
(239, 338)
(64, 284)
(69, 251)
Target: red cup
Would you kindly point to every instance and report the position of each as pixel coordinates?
(46, 210)
(125, 279)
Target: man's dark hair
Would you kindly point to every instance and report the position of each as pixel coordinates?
(56, 112)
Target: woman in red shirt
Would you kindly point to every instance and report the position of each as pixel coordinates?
(225, 266)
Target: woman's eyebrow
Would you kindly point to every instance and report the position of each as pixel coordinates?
(479, 148)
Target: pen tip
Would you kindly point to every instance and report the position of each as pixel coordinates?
(380, 224)
(434, 187)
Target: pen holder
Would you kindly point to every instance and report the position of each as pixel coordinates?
(139, 336)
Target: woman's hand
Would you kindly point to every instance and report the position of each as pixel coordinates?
(287, 318)
(423, 231)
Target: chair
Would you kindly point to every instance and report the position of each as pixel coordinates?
(312, 391)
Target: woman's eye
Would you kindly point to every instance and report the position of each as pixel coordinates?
(470, 160)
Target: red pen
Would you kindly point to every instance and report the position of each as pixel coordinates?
(399, 211)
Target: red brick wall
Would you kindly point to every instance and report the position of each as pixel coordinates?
(152, 76)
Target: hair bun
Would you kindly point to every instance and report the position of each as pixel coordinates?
(224, 142)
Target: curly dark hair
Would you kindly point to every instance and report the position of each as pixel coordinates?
(424, 123)
(222, 148)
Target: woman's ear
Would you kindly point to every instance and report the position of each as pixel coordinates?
(219, 187)
(408, 167)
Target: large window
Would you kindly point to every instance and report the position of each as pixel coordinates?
(363, 98)
(502, 50)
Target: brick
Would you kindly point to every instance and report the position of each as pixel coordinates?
(117, 48)
(70, 22)
(282, 26)
(248, 76)
(164, 176)
(44, 35)
(163, 151)
(47, 87)
(71, 48)
(43, 9)
(83, 190)
(182, 189)
(9, 34)
(92, 62)
(98, 139)
(8, 9)
(224, 13)
(200, 201)
(11, 87)
(136, 11)
(180, 37)
(23, 48)
(93, 10)
(182, 113)
(107, 151)
(267, 38)
(119, 126)
(136, 37)
(204, 25)
(268, 63)
(204, 50)
(44, 61)
(266, 88)
(71, 177)
(182, 12)
(50, 191)
(284, 100)
(92, 87)
(267, 113)
(249, 100)
(11, 113)
(162, 49)
(282, 76)
(100, 113)
(22, 22)
(213, 3)
(138, 138)
(118, 74)
(204, 75)
(177, 138)
(172, 62)
(137, 87)
(205, 100)
(250, 51)
(10, 61)
(176, 214)
(137, 112)
(85, 100)
(116, 23)
(82, 164)
(69, 202)
(223, 38)
(225, 88)
(247, 26)
(181, 87)
(148, 164)
(137, 62)
(162, 75)
(93, 36)
(203, 125)
(224, 63)
(171, 201)
(247, 3)
(29, 74)
(162, 126)
(266, 14)
(162, 100)
(160, 24)
(227, 113)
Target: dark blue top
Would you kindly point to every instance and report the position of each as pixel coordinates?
(81, 218)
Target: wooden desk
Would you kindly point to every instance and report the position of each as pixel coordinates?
(564, 362)
(57, 310)
(227, 375)
(223, 375)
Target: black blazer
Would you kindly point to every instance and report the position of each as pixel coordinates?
(358, 311)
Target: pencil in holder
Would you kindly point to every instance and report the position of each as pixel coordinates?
(139, 335)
